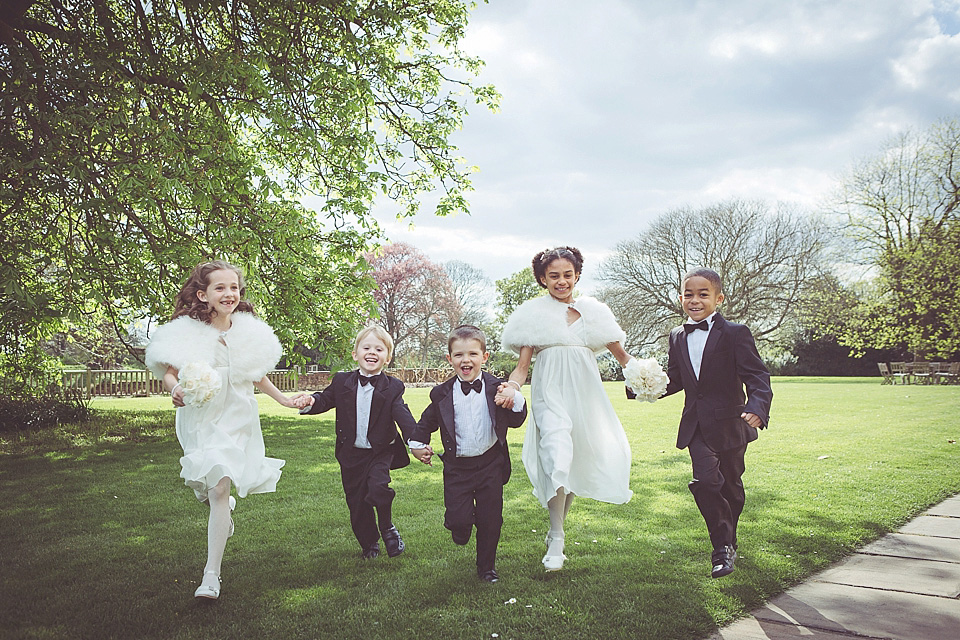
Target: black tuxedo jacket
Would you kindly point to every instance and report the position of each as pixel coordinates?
(439, 415)
(715, 401)
(387, 412)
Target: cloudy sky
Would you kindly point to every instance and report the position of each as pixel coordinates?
(617, 111)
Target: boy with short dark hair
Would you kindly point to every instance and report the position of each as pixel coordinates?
(476, 461)
(369, 407)
(712, 360)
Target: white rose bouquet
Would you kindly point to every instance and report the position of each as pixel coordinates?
(200, 382)
(646, 377)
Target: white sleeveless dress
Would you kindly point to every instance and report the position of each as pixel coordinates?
(574, 439)
(222, 438)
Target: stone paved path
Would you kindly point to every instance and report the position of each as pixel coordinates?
(904, 586)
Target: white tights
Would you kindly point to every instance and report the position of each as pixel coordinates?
(559, 507)
(218, 526)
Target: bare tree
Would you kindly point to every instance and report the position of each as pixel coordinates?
(766, 260)
(474, 291)
(903, 212)
(907, 192)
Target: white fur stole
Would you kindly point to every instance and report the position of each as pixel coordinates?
(542, 322)
(254, 349)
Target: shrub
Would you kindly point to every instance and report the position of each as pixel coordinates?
(31, 414)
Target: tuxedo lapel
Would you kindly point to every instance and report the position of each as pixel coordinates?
(348, 410)
(352, 381)
(378, 400)
(685, 363)
(447, 422)
(490, 385)
(713, 340)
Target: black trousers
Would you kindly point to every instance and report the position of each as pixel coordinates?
(718, 489)
(366, 484)
(473, 496)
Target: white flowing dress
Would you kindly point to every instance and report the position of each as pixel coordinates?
(222, 438)
(575, 439)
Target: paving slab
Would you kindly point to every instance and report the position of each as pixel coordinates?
(933, 526)
(926, 577)
(867, 612)
(753, 629)
(904, 545)
(949, 507)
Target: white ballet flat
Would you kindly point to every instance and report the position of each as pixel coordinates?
(208, 591)
(233, 505)
(553, 562)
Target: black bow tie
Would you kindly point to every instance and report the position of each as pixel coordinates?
(476, 385)
(690, 327)
(365, 380)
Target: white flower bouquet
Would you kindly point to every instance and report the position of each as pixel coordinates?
(200, 382)
(646, 377)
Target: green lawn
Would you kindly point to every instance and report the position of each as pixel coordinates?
(100, 539)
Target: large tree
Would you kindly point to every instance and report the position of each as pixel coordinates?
(766, 259)
(417, 303)
(903, 212)
(513, 291)
(139, 138)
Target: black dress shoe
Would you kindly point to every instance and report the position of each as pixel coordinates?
(372, 551)
(393, 542)
(461, 537)
(490, 576)
(722, 561)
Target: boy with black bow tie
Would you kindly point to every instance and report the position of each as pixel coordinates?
(712, 360)
(369, 407)
(473, 429)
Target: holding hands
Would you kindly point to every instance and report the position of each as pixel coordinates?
(302, 400)
(504, 397)
(506, 394)
(423, 455)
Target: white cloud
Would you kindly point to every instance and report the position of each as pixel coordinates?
(803, 186)
(931, 65)
(616, 111)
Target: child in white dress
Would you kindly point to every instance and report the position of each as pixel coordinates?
(575, 444)
(210, 356)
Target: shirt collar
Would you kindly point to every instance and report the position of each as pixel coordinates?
(710, 318)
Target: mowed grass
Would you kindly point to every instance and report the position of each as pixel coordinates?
(100, 539)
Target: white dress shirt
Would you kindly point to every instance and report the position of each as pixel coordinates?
(364, 399)
(472, 423)
(696, 341)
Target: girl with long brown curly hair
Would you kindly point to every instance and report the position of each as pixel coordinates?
(211, 355)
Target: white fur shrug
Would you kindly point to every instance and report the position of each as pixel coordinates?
(542, 322)
(254, 349)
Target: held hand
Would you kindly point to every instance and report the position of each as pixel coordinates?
(504, 397)
(288, 402)
(423, 455)
(752, 419)
(302, 400)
